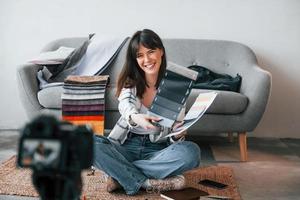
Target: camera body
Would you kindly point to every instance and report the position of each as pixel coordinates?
(56, 152)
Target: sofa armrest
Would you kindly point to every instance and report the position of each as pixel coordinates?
(28, 88)
(256, 85)
(26, 76)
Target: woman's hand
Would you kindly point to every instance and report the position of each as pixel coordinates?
(144, 120)
(177, 125)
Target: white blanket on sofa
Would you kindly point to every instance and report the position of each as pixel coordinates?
(98, 54)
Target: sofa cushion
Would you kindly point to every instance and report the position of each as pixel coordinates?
(50, 97)
(226, 102)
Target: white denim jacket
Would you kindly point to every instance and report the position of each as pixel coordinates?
(130, 104)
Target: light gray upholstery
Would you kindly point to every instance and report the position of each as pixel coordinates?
(231, 112)
(226, 102)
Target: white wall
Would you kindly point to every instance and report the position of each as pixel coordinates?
(270, 27)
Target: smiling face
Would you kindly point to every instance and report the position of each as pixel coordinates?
(149, 60)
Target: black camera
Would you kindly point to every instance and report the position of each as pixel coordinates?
(57, 152)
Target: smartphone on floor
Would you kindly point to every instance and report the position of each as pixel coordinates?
(213, 184)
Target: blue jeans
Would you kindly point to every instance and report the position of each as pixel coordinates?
(139, 159)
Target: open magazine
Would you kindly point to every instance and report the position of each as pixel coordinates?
(201, 104)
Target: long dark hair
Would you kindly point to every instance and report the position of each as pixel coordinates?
(132, 75)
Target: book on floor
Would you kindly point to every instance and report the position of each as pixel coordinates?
(185, 194)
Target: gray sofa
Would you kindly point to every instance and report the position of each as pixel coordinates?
(230, 113)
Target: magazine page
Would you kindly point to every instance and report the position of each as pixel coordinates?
(199, 107)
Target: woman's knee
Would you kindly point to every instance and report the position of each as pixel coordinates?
(190, 153)
(101, 140)
(101, 144)
(101, 149)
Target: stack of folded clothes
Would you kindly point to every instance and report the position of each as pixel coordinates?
(83, 101)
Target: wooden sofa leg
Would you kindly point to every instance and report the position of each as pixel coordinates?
(243, 146)
(230, 137)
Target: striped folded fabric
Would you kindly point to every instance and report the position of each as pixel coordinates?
(83, 101)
